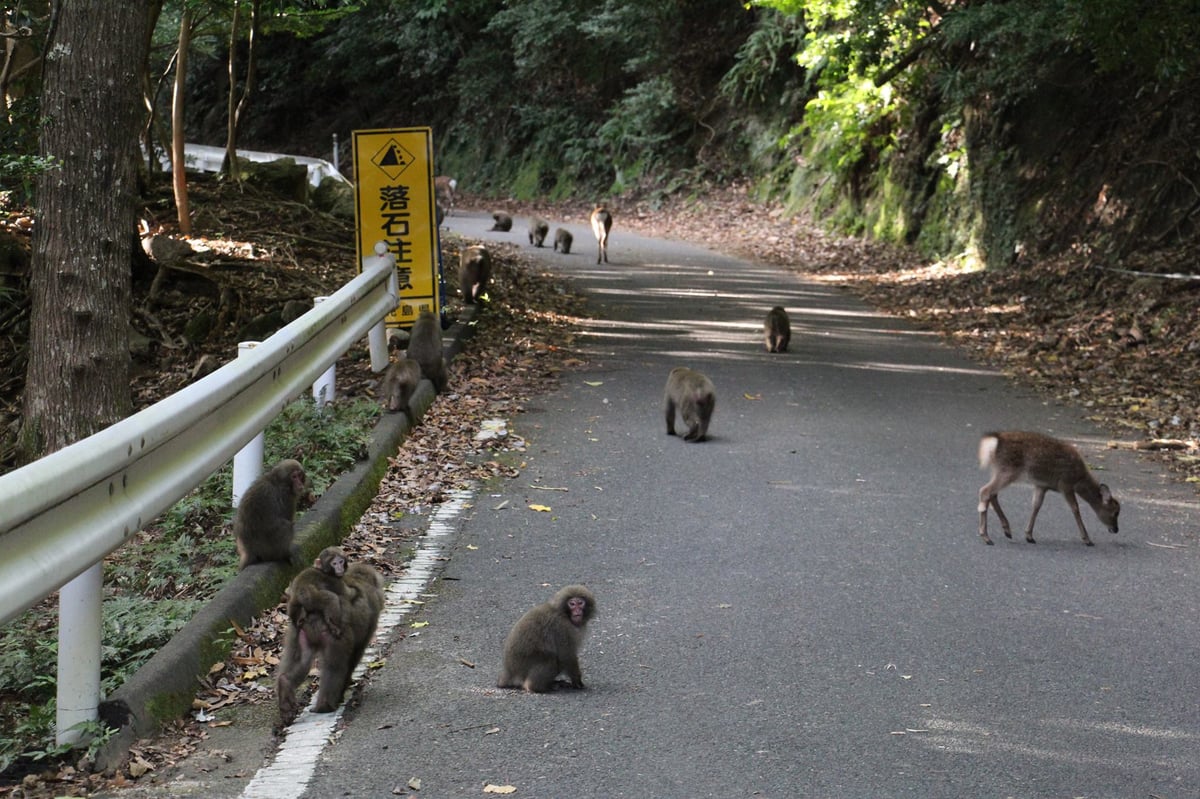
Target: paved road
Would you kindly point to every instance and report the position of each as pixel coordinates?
(800, 606)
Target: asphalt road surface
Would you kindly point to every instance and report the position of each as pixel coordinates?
(800, 606)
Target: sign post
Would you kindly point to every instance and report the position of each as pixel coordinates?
(394, 203)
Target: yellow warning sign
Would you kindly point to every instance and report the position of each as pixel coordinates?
(394, 204)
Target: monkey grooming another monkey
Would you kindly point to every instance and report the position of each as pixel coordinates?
(777, 330)
(360, 608)
(601, 221)
(425, 347)
(538, 228)
(693, 394)
(563, 239)
(474, 272)
(399, 382)
(545, 642)
(503, 221)
(265, 518)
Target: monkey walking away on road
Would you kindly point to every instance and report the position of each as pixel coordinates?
(265, 518)
(545, 642)
(361, 605)
(503, 221)
(538, 228)
(694, 396)
(1049, 465)
(777, 330)
(601, 221)
(562, 240)
(399, 382)
(425, 347)
(474, 272)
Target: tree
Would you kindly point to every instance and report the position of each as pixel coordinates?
(77, 380)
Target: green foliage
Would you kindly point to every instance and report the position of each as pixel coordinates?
(765, 69)
(153, 587)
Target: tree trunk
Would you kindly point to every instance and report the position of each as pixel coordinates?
(239, 103)
(178, 161)
(78, 375)
(230, 165)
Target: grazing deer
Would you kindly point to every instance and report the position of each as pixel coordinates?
(1048, 464)
(601, 223)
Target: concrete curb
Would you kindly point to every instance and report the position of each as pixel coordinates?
(163, 689)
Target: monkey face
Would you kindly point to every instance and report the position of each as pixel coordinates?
(576, 608)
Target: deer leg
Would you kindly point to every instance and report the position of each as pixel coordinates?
(1039, 494)
(989, 495)
(1074, 503)
(985, 497)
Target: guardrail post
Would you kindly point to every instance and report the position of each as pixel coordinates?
(80, 624)
(323, 390)
(248, 461)
(377, 336)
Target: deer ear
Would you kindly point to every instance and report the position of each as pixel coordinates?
(1105, 494)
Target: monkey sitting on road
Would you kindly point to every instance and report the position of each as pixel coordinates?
(693, 394)
(264, 525)
(777, 330)
(503, 221)
(545, 642)
(360, 607)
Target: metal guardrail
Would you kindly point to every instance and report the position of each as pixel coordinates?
(62, 514)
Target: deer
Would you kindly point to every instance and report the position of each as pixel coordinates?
(1049, 465)
(601, 221)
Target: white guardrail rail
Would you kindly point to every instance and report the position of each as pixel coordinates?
(62, 514)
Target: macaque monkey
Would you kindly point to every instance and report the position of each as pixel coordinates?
(474, 272)
(777, 330)
(264, 522)
(538, 228)
(545, 642)
(360, 605)
(425, 347)
(503, 221)
(1049, 465)
(562, 240)
(601, 221)
(444, 188)
(315, 594)
(693, 394)
(398, 384)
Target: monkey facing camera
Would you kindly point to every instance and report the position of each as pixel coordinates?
(474, 272)
(563, 240)
(538, 230)
(691, 394)
(545, 642)
(264, 524)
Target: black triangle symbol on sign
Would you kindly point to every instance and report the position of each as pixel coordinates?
(391, 157)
